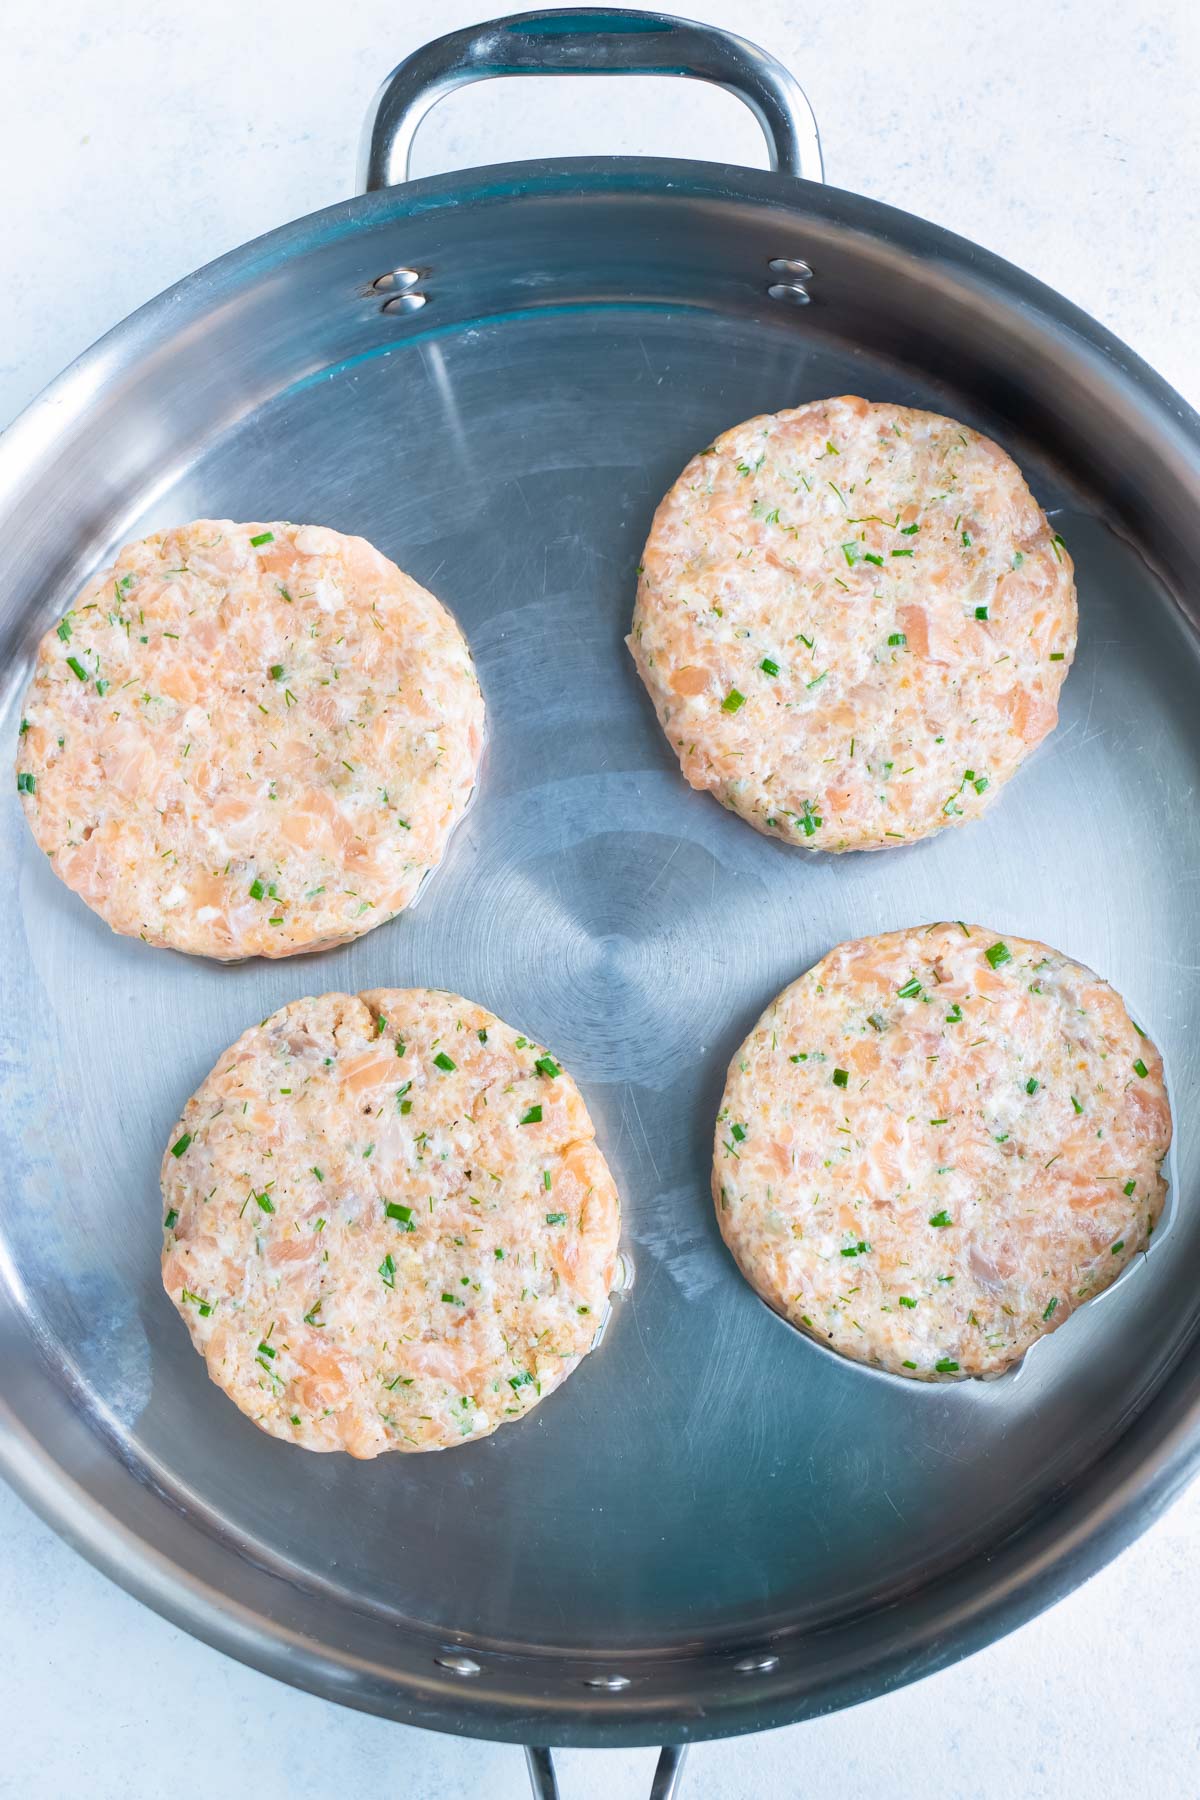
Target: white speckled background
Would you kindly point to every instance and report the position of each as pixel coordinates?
(142, 139)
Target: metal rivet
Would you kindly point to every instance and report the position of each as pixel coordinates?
(404, 303)
(790, 291)
(458, 1665)
(397, 279)
(790, 265)
(611, 1683)
(756, 1665)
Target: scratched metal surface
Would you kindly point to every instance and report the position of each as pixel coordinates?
(709, 1483)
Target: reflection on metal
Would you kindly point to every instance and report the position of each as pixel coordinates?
(458, 1665)
(397, 281)
(585, 41)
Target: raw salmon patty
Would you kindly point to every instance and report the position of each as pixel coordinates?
(249, 740)
(387, 1224)
(937, 1144)
(854, 621)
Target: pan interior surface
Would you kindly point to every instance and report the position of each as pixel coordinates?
(707, 1479)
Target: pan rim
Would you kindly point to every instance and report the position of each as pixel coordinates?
(1107, 1507)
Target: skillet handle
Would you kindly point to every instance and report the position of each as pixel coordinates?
(667, 1776)
(587, 41)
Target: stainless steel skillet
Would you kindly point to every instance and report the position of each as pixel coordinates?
(494, 375)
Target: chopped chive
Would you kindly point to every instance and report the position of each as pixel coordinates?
(954, 1016)
(317, 1173)
(1032, 1085)
(264, 1349)
(482, 1036)
(1057, 545)
(1128, 1188)
(981, 612)
(77, 668)
(546, 1179)
(26, 782)
(901, 552)
(1140, 1068)
(739, 1132)
(897, 638)
(264, 537)
(1119, 1245)
(401, 1046)
(980, 784)
(448, 1299)
(64, 631)
(442, 1061)
(1056, 656)
(256, 889)
(940, 1219)
(546, 1065)
(276, 671)
(732, 701)
(1075, 1104)
(870, 556)
(264, 1201)
(181, 1144)
(910, 990)
(859, 1249)
(525, 1379)
(171, 1220)
(401, 1214)
(532, 1117)
(851, 553)
(768, 667)
(840, 1077)
(997, 954)
(556, 1218)
(1051, 1309)
(908, 1365)
(387, 1270)
(905, 1301)
(877, 1021)
(945, 1365)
